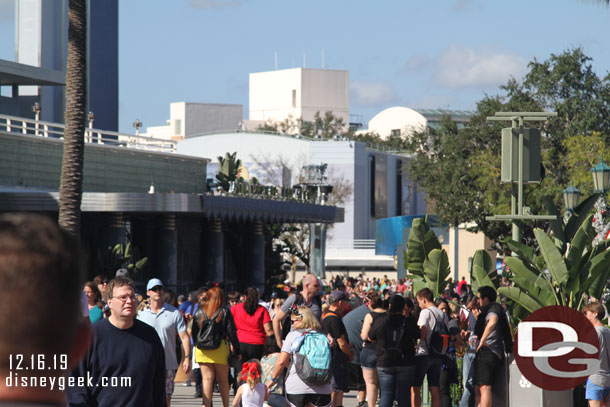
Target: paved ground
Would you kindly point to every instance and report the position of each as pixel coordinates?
(183, 397)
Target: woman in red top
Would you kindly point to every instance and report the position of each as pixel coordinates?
(253, 325)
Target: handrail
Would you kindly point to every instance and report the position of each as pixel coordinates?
(21, 125)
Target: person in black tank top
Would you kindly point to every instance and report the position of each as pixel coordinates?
(368, 358)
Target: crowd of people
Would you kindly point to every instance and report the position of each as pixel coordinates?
(303, 347)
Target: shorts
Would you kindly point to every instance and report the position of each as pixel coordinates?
(169, 382)
(368, 358)
(427, 365)
(356, 380)
(595, 392)
(301, 400)
(340, 371)
(486, 364)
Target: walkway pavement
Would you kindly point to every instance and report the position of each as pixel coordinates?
(183, 397)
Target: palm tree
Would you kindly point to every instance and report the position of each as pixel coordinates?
(71, 184)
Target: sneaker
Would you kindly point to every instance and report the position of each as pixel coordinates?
(187, 383)
(198, 395)
(363, 404)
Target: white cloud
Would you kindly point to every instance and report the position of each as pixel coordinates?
(418, 62)
(207, 4)
(372, 93)
(461, 66)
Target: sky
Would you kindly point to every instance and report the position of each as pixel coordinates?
(420, 54)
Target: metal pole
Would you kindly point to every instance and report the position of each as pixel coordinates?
(517, 230)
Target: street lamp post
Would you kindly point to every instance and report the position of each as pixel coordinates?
(571, 196)
(37, 109)
(314, 184)
(601, 183)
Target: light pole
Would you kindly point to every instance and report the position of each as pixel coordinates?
(571, 196)
(601, 182)
(37, 109)
(91, 118)
(314, 184)
(520, 163)
(137, 124)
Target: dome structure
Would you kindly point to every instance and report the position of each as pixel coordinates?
(395, 121)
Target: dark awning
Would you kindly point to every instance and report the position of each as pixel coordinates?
(233, 208)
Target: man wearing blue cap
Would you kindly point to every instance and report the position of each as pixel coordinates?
(167, 321)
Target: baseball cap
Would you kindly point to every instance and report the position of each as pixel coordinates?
(338, 295)
(154, 282)
(122, 272)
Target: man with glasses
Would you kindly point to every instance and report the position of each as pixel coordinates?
(125, 364)
(167, 321)
(309, 297)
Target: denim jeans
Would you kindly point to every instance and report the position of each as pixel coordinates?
(395, 384)
(467, 374)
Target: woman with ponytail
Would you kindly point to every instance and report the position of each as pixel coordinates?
(252, 393)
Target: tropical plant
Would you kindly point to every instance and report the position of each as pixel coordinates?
(228, 170)
(71, 182)
(483, 272)
(425, 259)
(553, 278)
(112, 258)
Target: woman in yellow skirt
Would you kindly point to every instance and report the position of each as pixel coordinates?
(212, 325)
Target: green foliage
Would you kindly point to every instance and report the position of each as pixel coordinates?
(483, 271)
(553, 278)
(112, 258)
(327, 126)
(228, 169)
(459, 168)
(425, 259)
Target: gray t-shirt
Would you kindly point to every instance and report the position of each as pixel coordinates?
(602, 378)
(428, 318)
(315, 305)
(494, 341)
(294, 384)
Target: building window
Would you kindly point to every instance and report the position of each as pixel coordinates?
(294, 98)
(177, 127)
(395, 133)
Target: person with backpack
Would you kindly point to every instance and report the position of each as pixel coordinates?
(307, 355)
(494, 339)
(432, 347)
(308, 296)
(212, 325)
(341, 350)
(449, 370)
(394, 335)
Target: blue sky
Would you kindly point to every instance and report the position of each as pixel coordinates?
(425, 53)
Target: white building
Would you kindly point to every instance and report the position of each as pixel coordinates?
(193, 119)
(400, 121)
(379, 182)
(298, 93)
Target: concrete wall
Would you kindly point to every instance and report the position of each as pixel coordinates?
(467, 244)
(35, 162)
(298, 92)
(207, 117)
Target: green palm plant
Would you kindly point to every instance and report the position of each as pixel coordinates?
(228, 169)
(425, 259)
(556, 278)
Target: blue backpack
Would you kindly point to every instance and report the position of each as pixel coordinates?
(312, 358)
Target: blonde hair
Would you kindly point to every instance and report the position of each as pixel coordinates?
(309, 321)
(252, 381)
